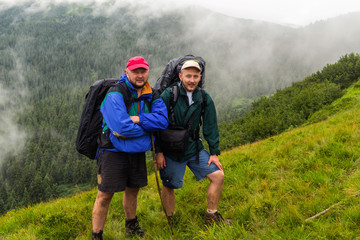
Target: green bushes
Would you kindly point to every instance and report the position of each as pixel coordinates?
(292, 106)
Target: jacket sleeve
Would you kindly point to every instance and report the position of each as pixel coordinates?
(210, 127)
(157, 119)
(116, 117)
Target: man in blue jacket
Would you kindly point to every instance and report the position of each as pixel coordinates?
(125, 139)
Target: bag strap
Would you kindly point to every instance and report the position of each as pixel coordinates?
(203, 104)
(128, 99)
(174, 95)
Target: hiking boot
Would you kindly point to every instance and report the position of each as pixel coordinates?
(97, 236)
(133, 228)
(215, 218)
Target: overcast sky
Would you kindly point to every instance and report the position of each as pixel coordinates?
(296, 12)
(293, 12)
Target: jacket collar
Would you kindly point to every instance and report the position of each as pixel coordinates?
(146, 90)
(183, 91)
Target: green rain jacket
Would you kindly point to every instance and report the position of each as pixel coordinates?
(183, 112)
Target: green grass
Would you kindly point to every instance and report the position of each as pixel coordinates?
(271, 188)
(67, 190)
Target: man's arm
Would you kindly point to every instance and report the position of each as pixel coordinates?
(157, 119)
(211, 132)
(116, 117)
(210, 127)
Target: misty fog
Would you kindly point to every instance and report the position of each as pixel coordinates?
(12, 101)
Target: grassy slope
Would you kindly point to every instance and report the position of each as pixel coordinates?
(271, 187)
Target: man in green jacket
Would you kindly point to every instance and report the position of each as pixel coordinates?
(204, 165)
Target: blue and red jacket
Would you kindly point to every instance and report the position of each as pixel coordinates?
(117, 119)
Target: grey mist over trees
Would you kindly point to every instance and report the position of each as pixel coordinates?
(12, 100)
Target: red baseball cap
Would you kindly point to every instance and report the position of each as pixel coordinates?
(137, 62)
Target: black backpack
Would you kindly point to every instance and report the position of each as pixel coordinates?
(90, 127)
(170, 74)
(170, 77)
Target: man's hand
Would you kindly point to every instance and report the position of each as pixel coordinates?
(160, 160)
(215, 159)
(135, 119)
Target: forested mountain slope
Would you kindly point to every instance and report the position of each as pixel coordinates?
(50, 56)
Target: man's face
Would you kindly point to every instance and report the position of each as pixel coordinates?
(138, 77)
(190, 78)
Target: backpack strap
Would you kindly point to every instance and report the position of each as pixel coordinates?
(128, 99)
(125, 92)
(203, 104)
(197, 131)
(174, 95)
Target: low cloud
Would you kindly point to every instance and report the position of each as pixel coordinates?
(12, 101)
(12, 137)
(141, 8)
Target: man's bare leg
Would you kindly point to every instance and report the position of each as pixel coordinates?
(168, 196)
(215, 189)
(100, 210)
(130, 202)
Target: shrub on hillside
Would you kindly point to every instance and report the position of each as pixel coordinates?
(291, 106)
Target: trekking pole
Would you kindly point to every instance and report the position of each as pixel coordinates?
(157, 183)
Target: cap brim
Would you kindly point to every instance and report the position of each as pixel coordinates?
(136, 66)
(191, 64)
(198, 68)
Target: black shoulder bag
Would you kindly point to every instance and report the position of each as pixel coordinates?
(174, 138)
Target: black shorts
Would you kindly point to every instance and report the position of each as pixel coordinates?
(118, 170)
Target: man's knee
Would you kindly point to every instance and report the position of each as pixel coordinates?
(171, 181)
(104, 199)
(217, 176)
(173, 185)
(167, 190)
(132, 191)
